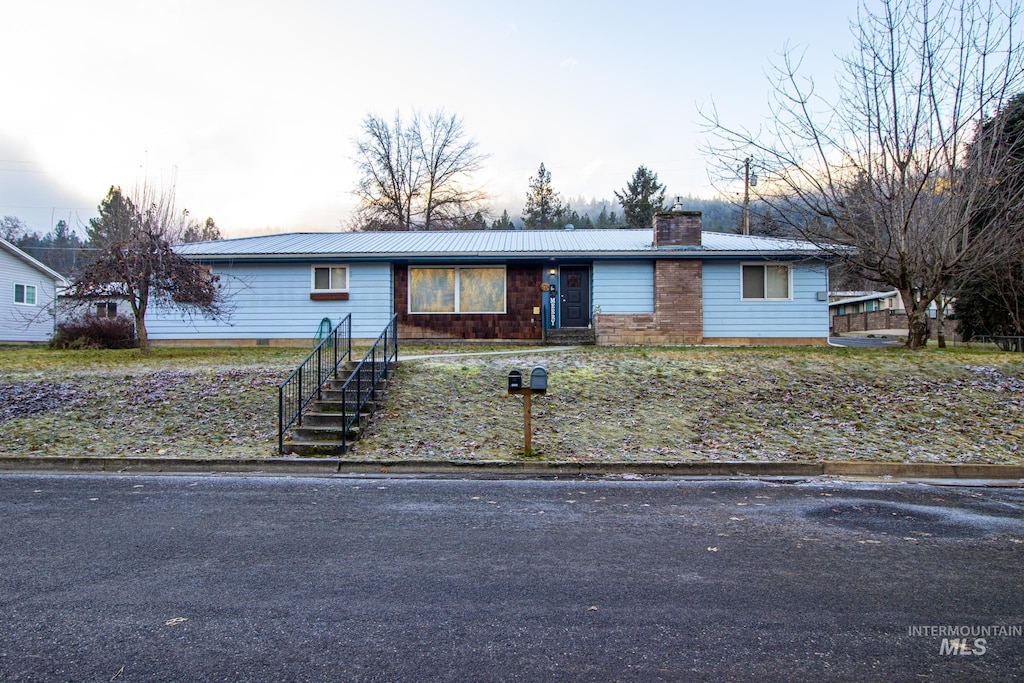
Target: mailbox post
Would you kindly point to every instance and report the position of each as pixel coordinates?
(538, 385)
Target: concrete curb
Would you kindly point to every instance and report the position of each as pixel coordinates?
(329, 466)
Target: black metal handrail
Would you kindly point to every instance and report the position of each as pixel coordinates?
(307, 380)
(367, 374)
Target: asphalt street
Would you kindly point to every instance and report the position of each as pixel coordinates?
(259, 578)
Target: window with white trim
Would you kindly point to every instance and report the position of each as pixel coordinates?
(328, 279)
(765, 282)
(106, 309)
(25, 295)
(457, 289)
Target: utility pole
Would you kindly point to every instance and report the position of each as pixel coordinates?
(746, 196)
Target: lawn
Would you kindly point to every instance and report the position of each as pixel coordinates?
(603, 405)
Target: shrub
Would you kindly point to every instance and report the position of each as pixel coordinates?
(91, 332)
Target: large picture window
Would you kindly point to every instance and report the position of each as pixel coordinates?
(25, 294)
(454, 289)
(766, 282)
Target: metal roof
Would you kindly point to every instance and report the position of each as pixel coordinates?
(873, 296)
(488, 243)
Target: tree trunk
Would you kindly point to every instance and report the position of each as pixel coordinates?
(917, 320)
(940, 323)
(140, 330)
(139, 309)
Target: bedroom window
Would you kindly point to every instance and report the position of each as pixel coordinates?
(25, 294)
(457, 289)
(330, 283)
(766, 282)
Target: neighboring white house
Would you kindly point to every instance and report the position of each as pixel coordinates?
(27, 296)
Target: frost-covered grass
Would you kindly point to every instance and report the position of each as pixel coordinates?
(180, 402)
(603, 404)
(685, 404)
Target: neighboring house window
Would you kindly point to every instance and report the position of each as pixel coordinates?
(765, 281)
(25, 294)
(330, 283)
(457, 289)
(106, 309)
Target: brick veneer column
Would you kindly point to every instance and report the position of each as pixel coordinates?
(678, 301)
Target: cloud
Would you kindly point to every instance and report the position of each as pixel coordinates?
(28, 192)
(569, 64)
(511, 30)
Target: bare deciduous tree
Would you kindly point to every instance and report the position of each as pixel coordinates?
(892, 176)
(448, 157)
(134, 258)
(416, 174)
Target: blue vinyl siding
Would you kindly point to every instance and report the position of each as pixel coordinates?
(726, 315)
(271, 301)
(624, 286)
(22, 322)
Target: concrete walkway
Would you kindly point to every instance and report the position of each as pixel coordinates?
(526, 350)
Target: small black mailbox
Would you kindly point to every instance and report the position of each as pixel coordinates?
(539, 379)
(515, 380)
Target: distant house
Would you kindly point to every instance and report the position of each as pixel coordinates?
(108, 305)
(671, 285)
(846, 303)
(878, 312)
(27, 296)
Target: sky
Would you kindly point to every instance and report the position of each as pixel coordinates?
(251, 107)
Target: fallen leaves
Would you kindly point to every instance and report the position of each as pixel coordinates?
(603, 405)
(697, 404)
(196, 410)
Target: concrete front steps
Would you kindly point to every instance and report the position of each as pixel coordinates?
(321, 432)
(571, 336)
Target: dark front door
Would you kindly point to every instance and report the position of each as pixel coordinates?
(575, 296)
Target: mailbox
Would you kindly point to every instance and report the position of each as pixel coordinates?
(515, 380)
(539, 379)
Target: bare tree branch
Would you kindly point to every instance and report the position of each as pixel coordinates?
(416, 174)
(892, 176)
(135, 259)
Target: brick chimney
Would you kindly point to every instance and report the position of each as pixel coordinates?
(676, 228)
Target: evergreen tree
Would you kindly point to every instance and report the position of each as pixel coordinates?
(642, 197)
(543, 205)
(990, 300)
(606, 219)
(503, 223)
(207, 232)
(475, 222)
